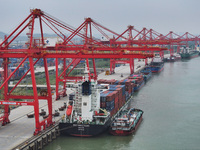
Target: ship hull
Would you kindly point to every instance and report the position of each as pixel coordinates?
(147, 77)
(157, 69)
(139, 86)
(83, 130)
(147, 74)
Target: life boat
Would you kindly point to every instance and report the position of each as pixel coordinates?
(98, 114)
(69, 110)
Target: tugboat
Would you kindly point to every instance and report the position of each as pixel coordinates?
(186, 53)
(157, 65)
(84, 117)
(127, 122)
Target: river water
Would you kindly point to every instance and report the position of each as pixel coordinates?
(171, 121)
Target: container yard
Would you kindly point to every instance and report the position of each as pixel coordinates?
(84, 104)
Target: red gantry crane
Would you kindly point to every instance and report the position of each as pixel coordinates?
(143, 41)
(36, 49)
(138, 46)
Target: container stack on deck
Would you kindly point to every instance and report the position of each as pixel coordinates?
(104, 81)
(119, 92)
(129, 87)
(146, 73)
(114, 98)
(138, 79)
(107, 101)
(110, 101)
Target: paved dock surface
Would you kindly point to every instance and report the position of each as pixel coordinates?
(123, 70)
(21, 128)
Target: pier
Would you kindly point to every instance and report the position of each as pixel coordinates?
(20, 129)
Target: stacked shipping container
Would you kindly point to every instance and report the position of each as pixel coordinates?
(119, 92)
(107, 101)
(138, 79)
(104, 81)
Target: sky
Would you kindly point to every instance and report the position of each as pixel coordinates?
(179, 16)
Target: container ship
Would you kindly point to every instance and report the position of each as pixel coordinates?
(157, 65)
(94, 105)
(93, 108)
(146, 73)
(139, 81)
(186, 53)
(84, 117)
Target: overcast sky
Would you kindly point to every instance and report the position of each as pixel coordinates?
(161, 15)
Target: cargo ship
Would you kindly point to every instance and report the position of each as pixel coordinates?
(157, 64)
(92, 107)
(84, 117)
(186, 53)
(138, 81)
(127, 122)
(146, 73)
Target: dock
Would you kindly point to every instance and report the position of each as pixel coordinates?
(19, 133)
(21, 127)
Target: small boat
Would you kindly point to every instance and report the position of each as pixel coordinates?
(127, 122)
(69, 110)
